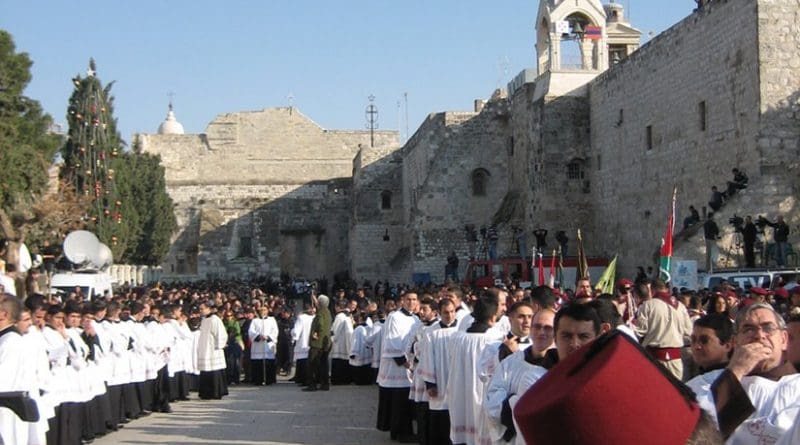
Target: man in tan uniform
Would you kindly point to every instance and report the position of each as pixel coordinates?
(662, 325)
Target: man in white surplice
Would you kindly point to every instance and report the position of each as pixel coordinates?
(264, 334)
(464, 387)
(394, 377)
(12, 373)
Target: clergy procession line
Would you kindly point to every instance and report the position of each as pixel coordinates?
(453, 366)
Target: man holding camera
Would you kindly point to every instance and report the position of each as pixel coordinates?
(711, 234)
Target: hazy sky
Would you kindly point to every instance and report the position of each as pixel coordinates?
(329, 56)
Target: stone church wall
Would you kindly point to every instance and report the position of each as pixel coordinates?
(438, 167)
(682, 110)
(261, 193)
(377, 238)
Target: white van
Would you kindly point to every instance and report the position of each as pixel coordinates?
(745, 278)
(93, 284)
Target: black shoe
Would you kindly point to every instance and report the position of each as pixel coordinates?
(124, 421)
(145, 413)
(325, 388)
(410, 438)
(310, 388)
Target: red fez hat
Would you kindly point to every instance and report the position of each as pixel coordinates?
(581, 398)
(624, 282)
(781, 293)
(758, 290)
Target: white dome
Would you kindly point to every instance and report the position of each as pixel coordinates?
(170, 124)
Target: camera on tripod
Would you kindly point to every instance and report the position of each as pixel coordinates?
(736, 221)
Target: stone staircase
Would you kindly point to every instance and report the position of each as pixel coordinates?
(768, 196)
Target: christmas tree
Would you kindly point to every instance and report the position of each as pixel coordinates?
(90, 155)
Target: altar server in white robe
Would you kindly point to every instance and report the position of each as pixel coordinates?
(433, 368)
(210, 354)
(575, 326)
(301, 333)
(712, 344)
(37, 366)
(429, 322)
(264, 334)
(517, 339)
(502, 325)
(13, 430)
(464, 387)
(394, 377)
(360, 354)
(342, 339)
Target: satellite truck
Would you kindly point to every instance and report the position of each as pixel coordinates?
(89, 261)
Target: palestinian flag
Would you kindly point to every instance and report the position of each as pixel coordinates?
(666, 243)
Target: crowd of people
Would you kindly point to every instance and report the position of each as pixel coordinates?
(452, 365)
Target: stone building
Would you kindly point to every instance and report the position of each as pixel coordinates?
(259, 194)
(594, 137)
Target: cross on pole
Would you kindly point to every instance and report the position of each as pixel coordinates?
(372, 119)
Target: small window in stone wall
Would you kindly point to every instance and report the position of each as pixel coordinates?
(599, 163)
(575, 169)
(702, 115)
(480, 180)
(245, 247)
(649, 137)
(386, 200)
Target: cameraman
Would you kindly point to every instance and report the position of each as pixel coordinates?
(749, 235)
(711, 235)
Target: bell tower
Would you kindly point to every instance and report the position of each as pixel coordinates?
(563, 25)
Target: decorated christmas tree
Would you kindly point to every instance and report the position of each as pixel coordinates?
(92, 148)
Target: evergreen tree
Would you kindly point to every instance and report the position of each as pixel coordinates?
(90, 155)
(141, 183)
(27, 146)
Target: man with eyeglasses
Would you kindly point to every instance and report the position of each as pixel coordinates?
(757, 380)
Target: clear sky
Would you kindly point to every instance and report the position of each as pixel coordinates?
(328, 56)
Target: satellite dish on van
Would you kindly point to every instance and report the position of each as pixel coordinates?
(102, 257)
(80, 247)
(25, 261)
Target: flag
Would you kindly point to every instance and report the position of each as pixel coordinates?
(606, 282)
(594, 32)
(552, 282)
(583, 264)
(560, 270)
(666, 243)
(541, 269)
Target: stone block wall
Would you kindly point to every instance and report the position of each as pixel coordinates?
(377, 237)
(683, 110)
(295, 229)
(779, 64)
(438, 166)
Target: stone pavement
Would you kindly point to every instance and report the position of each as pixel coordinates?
(277, 414)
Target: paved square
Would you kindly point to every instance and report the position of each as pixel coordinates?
(277, 414)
